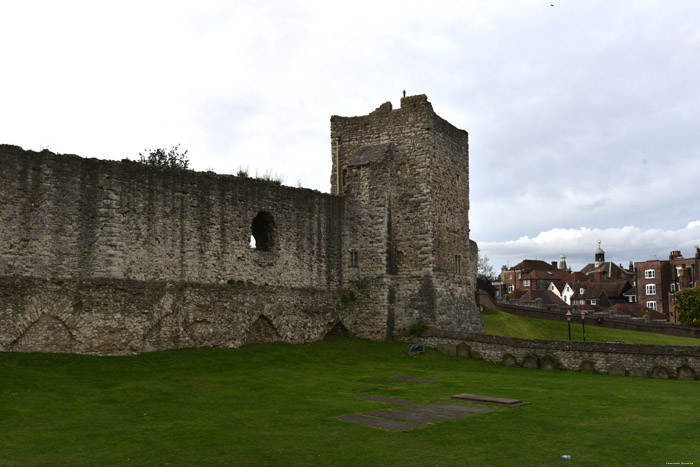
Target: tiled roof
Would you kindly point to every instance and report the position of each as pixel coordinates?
(594, 290)
(540, 274)
(559, 285)
(548, 297)
(531, 264)
(636, 310)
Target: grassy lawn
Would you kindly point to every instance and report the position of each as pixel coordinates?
(499, 323)
(273, 404)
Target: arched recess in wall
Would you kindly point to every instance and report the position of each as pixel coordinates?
(337, 331)
(264, 232)
(262, 331)
(46, 334)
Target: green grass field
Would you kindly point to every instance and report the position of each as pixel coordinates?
(499, 323)
(273, 404)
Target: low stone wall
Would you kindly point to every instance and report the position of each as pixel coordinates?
(117, 317)
(659, 361)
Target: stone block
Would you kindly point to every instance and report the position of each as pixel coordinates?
(685, 372)
(531, 361)
(617, 369)
(509, 360)
(638, 372)
(449, 349)
(550, 363)
(463, 350)
(587, 366)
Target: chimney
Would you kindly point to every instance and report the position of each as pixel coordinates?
(598, 275)
(675, 254)
(697, 251)
(554, 265)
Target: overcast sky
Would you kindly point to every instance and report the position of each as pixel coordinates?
(583, 116)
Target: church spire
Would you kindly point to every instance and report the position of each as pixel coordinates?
(562, 262)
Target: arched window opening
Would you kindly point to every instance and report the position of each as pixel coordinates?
(264, 232)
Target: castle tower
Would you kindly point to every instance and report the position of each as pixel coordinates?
(404, 174)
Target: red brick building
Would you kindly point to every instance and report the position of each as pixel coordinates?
(659, 280)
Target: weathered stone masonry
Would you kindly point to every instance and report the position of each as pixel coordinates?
(117, 257)
(658, 361)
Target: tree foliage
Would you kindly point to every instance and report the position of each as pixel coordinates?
(687, 305)
(165, 158)
(484, 270)
(485, 274)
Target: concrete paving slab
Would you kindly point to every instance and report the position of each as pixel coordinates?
(443, 414)
(389, 400)
(417, 380)
(405, 416)
(488, 400)
(378, 422)
(460, 408)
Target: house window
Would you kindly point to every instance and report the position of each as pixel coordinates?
(581, 290)
(651, 289)
(673, 287)
(510, 277)
(594, 302)
(353, 259)
(526, 283)
(651, 305)
(458, 264)
(649, 274)
(511, 288)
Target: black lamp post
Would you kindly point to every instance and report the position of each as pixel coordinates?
(568, 319)
(583, 323)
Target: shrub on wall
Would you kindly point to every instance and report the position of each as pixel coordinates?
(687, 305)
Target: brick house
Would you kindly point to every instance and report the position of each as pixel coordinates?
(659, 280)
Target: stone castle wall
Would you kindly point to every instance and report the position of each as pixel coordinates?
(67, 217)
(114, 257)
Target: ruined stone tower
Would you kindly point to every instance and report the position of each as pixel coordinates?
(110, 257)
(405, 176)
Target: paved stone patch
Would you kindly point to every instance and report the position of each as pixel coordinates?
(434, 412)
(378, 422)
(388, 400)
(460, 408)
(405, 416)
(488, 400)
(417, 380)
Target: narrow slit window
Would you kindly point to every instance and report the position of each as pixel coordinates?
(353, 259)
(458, 264)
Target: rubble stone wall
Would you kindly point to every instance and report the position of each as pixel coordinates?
(660, 361)
(112, 257)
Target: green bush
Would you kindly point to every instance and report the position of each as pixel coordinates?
(687, 305)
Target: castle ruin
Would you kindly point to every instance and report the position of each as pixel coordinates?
(106, 257)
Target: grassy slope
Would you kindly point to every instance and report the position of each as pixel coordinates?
(505, 324)
(274, 404)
